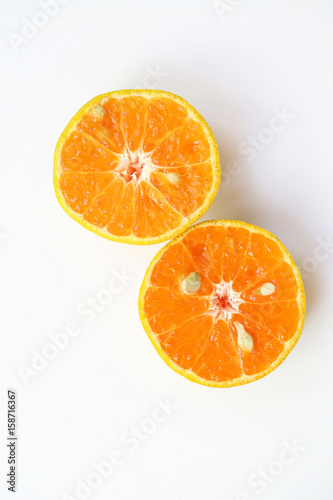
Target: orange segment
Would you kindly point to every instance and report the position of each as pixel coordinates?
(185, 188)
(267, 348)
(206, 249)
(163, 116)
(164, 157)
(280, 318)
(80, 189)
(187, 144)
(122, 220)
(262, 256)
(223, 303)
(166, 309)
(218, 360)
(103, 123)
(236, 243)
(175, 265)
(105, 203)
(181, 343)
(154, 215)
(190, 347)
(134, 111)
(284, 281)
(80, 153)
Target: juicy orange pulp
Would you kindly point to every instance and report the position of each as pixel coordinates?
(231, 330)
(137, 166)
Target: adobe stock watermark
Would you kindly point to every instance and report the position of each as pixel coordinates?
(131, 440)
(223, 7)
(31, 27)
(254, 144)
(263, 477)
(278, 123)
(322, 252)
(87, 310)
(154, 77)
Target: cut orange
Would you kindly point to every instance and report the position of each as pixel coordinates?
(136, 166)
(223, 303)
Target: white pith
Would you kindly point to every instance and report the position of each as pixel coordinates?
(234, 298)
(139, 159)
(143, 162)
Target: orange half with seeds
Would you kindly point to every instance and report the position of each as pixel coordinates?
(223, 303)
(136, 166)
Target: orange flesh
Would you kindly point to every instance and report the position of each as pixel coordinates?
(136, 166)
(198, 331)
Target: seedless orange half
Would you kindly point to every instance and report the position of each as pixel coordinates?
(223, 303)
(136, 166)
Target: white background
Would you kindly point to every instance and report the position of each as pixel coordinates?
(236, 67)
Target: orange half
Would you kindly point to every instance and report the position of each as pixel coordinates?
(223, 303)
(136, 166)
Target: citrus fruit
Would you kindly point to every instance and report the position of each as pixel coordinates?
(136, 166)
(223, 303)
